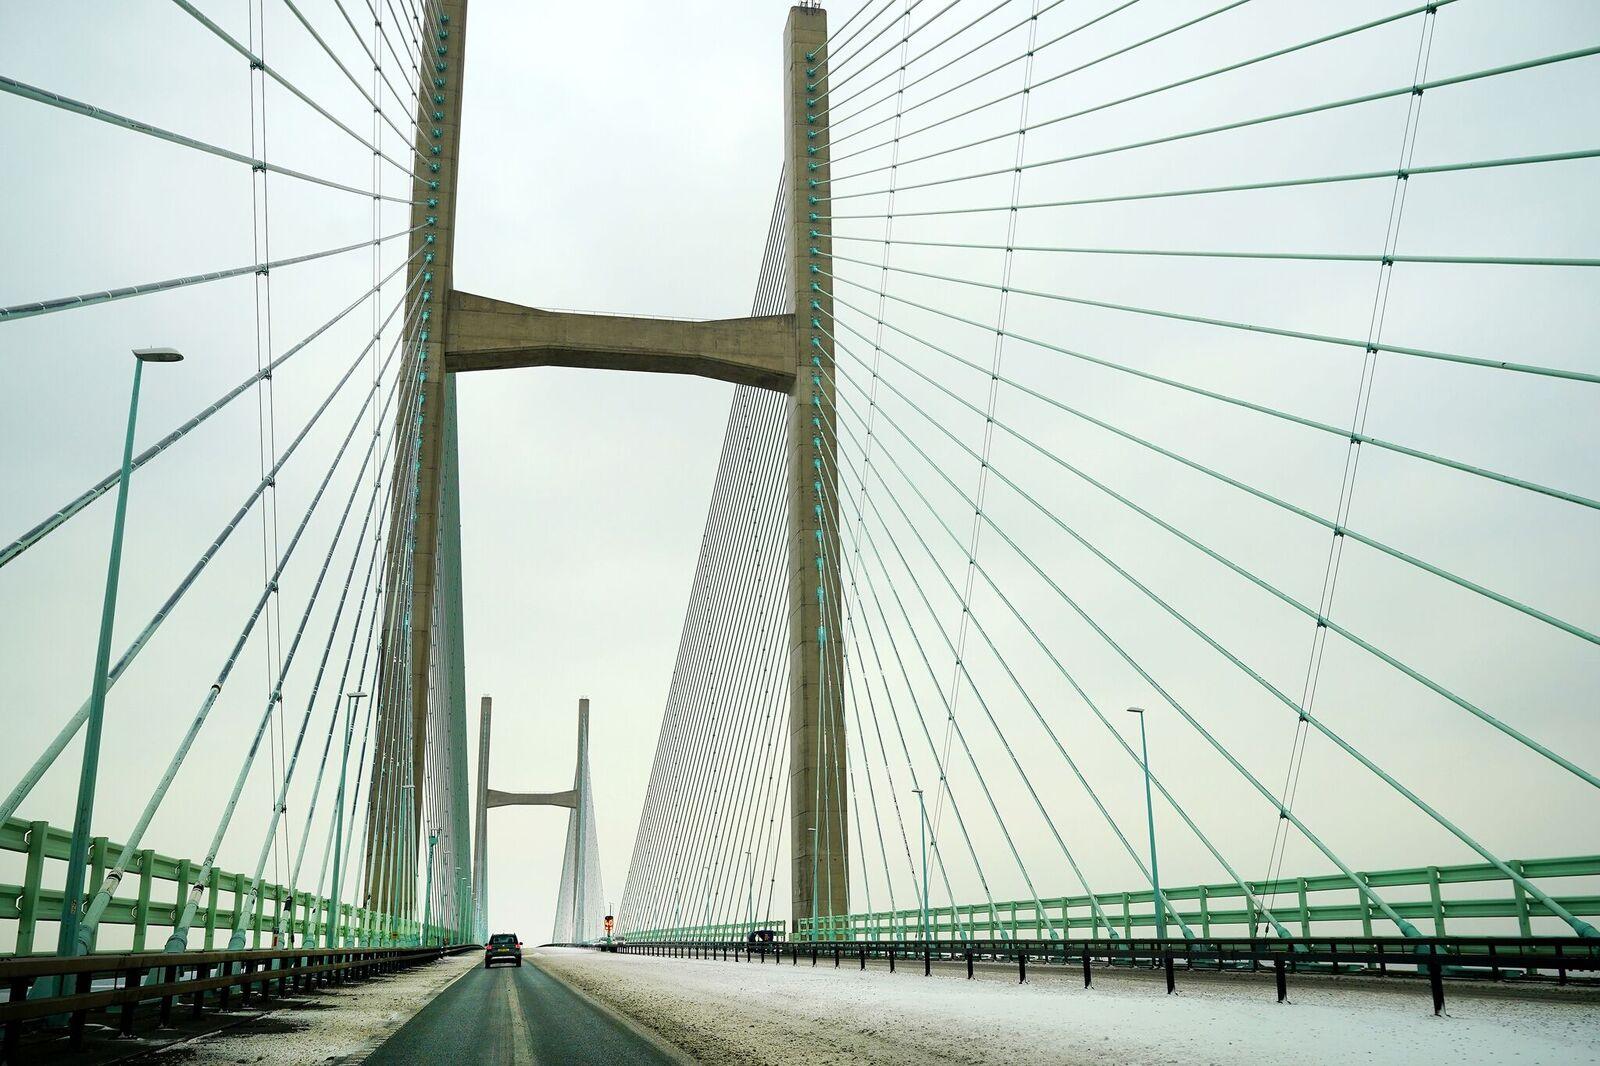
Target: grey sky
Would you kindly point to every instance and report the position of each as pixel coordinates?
(623, 157)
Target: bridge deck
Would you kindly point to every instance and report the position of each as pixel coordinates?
(516, 1015)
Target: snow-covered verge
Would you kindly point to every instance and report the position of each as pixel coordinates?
(730, 1012)
(337, 1024)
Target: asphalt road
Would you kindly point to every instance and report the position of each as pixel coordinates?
(514, 1015)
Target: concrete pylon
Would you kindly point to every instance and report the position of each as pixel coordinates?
(819, 832)
(580, 815)
(480, 846)
(416, 502)
(575, 887)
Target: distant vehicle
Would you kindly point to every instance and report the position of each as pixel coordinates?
(502, 947)
(761, 936)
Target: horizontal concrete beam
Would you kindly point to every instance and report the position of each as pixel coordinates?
(485, 334)
(568, 799)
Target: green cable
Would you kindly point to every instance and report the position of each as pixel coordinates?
(1068, 676)
(1321, 620)
(1581, 927)
(1404, 926)
(1253, 186)
(1348, 342)
(77, 107)
(1437, 83)
(972, 684)
(1455, 579)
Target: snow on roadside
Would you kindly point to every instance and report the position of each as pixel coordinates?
(331, 1024)
(782, 1014)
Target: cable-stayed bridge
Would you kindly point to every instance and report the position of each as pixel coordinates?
(1156, 505)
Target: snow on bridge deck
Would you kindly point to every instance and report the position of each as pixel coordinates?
(782, 1014)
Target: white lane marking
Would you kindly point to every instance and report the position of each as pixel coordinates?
(520, 1045)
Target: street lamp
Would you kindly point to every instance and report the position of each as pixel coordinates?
(427, 897)
(705, 892)
(78, 854)
(338, 814)
(1150, 815)
(813, 831)
(750, 890)
(922, 813)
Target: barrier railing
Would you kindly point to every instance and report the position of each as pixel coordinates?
(1294, 901)
(154, 891)
(726, 931)
(69, 982)
(1433, 958)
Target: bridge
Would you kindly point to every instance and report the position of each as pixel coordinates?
(1152, 532)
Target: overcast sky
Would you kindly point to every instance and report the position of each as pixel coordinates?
(623, 157)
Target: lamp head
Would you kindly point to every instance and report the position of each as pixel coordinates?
(158, 355)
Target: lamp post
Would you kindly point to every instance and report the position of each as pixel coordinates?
(1150, 816)
(922, 815)
(813, 831)
(78, 854)
(750, 891)
(427, 897)
(338, 814)
(705, 892)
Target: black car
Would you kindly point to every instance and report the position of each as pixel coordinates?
(502, 947)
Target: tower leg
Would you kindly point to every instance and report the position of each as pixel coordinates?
(480, 846)
(819, 832)
(580, 814)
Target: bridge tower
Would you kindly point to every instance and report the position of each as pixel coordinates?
(818, 831)
(788, 353)
(579, 905)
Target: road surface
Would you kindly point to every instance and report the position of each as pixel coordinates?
(515, 1015)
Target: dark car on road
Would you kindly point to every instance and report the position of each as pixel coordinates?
(502, 947)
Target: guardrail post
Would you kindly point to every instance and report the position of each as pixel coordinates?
(1283, 982)
(1086, 976)
(141, 909)
(83, 984)
(1022, 965)
(97, 873)
(927, 960)
(863, 958)
(969, 964)
(32, 878)
(130, 979)
(19, 992)
(168, 976)
(1436, 983)
(1166, 958)
(201, 972)
(892, 954)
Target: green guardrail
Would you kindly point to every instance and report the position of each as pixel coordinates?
(1290, 899)
(159, 884)
(727, 931)
(1300, 903)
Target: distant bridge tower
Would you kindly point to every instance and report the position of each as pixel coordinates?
(580, 904)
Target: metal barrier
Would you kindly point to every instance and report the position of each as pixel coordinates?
(1291, 900)
(160, 884)
(1434, 958)
(172, 976)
